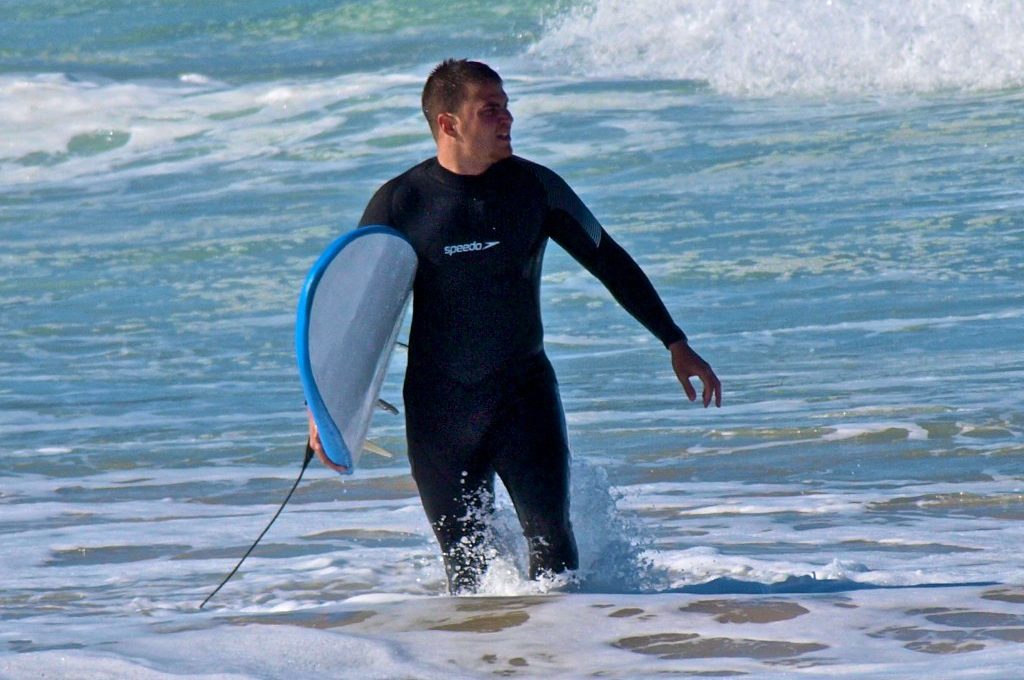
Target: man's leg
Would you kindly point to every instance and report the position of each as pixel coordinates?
(458, 508)
(455, 482)
(530, 452)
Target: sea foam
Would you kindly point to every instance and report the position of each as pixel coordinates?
(768, 47)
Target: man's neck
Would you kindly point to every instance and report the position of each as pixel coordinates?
(452, 161)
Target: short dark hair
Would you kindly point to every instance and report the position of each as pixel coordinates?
(445, 89)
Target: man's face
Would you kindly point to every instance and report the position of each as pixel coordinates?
(485, 123)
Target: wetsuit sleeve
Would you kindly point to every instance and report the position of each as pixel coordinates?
(571, 225)
(378, 210)
(620, 274)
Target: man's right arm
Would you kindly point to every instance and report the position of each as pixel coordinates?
(378, 210)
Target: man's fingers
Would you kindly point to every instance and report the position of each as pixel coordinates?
(691, 393)
(687, 365)
(318, 447)
(327, 461)
(712, 389)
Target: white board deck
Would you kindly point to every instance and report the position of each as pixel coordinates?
(350, 312)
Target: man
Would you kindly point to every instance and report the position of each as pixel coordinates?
(480, 395)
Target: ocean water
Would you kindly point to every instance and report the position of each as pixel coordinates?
(827, 195)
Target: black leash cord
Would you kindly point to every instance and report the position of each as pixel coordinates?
(305, 464)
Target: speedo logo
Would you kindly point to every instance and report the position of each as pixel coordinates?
(469, 247)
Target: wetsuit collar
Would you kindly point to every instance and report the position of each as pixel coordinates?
(453, 179)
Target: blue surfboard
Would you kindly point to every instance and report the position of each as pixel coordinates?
(350, 312)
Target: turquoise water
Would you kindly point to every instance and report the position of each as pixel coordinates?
(828, 200)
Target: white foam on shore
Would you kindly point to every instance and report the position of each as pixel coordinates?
(879, 633)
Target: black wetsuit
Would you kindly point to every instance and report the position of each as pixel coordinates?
(480, 395)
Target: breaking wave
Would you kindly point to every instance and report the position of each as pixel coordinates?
(769, 47)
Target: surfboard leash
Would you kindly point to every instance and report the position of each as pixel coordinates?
(305, 464)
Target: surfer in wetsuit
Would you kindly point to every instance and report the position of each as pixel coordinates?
(481, 397)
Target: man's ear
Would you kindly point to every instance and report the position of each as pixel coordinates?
(446, 124)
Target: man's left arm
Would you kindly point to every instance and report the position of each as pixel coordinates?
(574, 227)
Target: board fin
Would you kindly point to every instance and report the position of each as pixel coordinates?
(370, 447)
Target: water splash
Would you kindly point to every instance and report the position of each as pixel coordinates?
(613, 547)
(809, 47)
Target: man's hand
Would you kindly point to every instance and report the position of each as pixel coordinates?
(318, 447)
(688, 364)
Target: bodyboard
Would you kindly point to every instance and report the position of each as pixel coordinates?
(350, 312)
